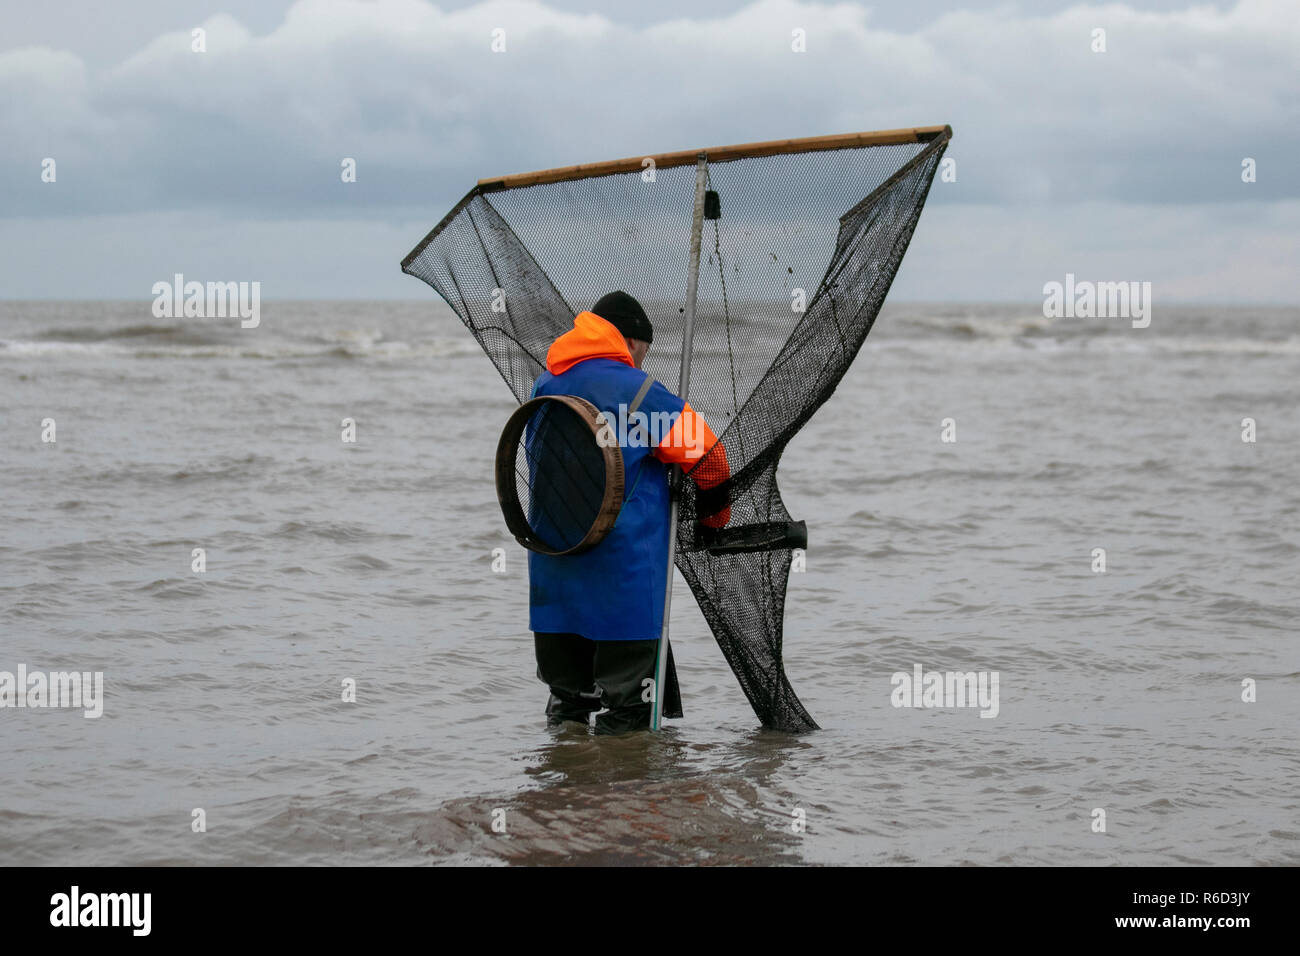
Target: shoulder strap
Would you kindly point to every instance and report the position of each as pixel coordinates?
(641, 394)
(636, 403)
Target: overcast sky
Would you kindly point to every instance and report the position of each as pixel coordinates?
(226, 164)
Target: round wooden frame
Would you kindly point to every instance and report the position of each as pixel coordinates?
(507, 491)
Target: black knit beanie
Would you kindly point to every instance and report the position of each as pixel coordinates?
(625, 313)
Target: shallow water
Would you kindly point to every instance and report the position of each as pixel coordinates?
(372, 561)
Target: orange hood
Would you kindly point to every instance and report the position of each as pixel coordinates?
(590, 337)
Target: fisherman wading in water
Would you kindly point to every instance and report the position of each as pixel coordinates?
(597, 616)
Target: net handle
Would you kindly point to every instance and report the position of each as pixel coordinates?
(718, 154)
(685, 157)
(684, 387)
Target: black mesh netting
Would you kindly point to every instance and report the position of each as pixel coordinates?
(792, 276)
(560, 476)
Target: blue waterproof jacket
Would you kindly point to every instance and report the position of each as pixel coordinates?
(615, 590)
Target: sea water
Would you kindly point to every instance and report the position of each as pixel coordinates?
(199, 532)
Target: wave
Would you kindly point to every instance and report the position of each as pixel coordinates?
(385, 332)
(87, 334)
(1153, 344)
(359, 348)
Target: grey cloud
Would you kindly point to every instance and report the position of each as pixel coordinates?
(261, 123)
(1065, 158)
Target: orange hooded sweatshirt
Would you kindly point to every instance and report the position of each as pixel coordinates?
(690, 443)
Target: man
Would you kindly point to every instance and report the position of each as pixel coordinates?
(597, 616)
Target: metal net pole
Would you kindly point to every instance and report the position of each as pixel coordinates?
(684, 384)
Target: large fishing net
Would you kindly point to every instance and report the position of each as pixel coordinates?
(792, 274)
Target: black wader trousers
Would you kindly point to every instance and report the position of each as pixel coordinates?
(586, 676)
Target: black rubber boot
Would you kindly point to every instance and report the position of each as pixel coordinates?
(623, 720)
(564, 663)
(586, 675)
(623, 670)
(561, 708)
